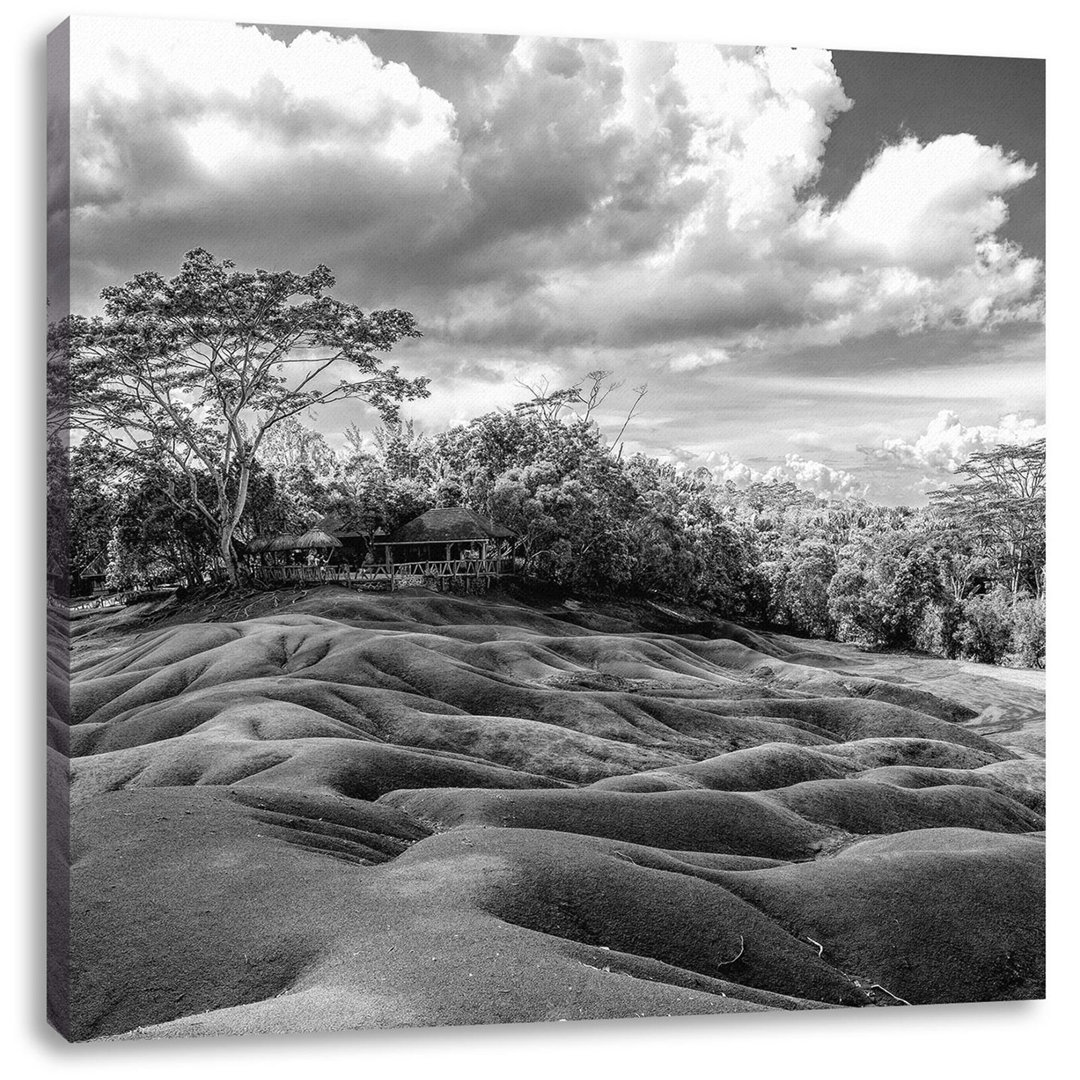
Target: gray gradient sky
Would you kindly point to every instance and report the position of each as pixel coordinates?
(826, 267)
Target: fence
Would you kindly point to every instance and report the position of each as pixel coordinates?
(444, 575)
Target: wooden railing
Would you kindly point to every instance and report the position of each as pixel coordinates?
(318, 574)
(432, 573)
(88, 603)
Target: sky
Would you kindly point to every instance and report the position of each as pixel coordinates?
(826, 266)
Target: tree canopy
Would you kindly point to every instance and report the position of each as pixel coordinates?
(192, 373)
(191, 394)
(1001, 504)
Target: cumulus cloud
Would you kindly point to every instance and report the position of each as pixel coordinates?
(188, 133)
(651, 208)
(926, 206)
(804, 473)
(914, 246)
(815, 476)
(726, 468)
(536, 192)
(742, 258)
(947, 442)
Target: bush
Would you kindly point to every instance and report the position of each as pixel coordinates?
(938, 629)
(1028, 633)
(986, 630)
(799, 588)
(999, 628)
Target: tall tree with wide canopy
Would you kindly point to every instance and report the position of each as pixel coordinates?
(1002, 504)
(196, 370)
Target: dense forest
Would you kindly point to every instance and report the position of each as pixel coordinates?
(186, 452)
(962, 577)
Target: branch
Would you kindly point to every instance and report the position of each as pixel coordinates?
(641, 392)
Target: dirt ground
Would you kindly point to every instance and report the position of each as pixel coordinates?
(300, 811)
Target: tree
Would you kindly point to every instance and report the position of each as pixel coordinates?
(58, 480)
(88, 511)
(799, 586)
(885, 580)
(153, 541)
(131, 514)
(551, 405)
(986, 631)
(292, 485)
(1002, 504)
(293, 445)
(197, 370)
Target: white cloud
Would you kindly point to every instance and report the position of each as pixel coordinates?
(226, 82)
(808, 440)
(926, 206)
(691, 361)
(756, 263)
(724, 467)
(815, 476)
(914, 246)
(947, 442)
(762, 119)
(189, 133)
(585, 192)
(807, 474)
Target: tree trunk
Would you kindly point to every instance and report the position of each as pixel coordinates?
(228, 556)
(228, 552)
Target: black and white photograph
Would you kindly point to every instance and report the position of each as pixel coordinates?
(540, 528)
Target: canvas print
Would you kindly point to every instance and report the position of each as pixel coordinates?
(539, 529)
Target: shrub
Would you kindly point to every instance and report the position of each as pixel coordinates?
(1028, 632)
(986, 631)
(938, 629)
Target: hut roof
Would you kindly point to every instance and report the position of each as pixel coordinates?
(284, 542)
(446, 525)
(316, 538)
(97, 567)
(342, 527)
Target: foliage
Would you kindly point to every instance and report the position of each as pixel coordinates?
(193, 373)
(986, 632)
(886, 579)
(1001, 505)
(1028, 645)
(191, 394)
(799, 587)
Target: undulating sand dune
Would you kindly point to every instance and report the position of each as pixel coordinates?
(348, 811)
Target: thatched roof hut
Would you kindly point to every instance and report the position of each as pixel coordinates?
(344, 528)
(284, 542)
(449, 525)
(98, 567)
(448, 535)
(316, 538)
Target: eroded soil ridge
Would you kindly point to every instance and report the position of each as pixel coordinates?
(416, 810)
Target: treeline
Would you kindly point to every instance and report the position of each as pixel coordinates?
(963, 577)
(175, 437)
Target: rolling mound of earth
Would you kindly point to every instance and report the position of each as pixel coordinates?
(333, 810)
